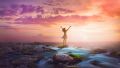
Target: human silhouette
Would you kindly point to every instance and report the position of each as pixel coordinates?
(64, 30)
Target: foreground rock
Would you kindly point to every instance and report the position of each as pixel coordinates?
(62, 58)
(40, 56)
(78, 54)
(19, 56)
(80, 58)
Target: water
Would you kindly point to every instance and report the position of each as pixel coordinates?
(44, 63)
(103, 61)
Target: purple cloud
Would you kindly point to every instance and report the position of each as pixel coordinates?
(15, 9)
(53, 2)
(27, 8)
(7, 12)
(61, 10)
(51, 20)
(40, 9)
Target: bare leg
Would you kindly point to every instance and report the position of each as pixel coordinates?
(64, 42)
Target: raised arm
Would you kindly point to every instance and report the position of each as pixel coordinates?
(68, 28)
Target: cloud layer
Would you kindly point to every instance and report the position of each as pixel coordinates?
(48, 13)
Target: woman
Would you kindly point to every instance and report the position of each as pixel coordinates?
(65, 35)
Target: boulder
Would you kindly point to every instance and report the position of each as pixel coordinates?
(115, 54)
(75, 53)
(62, 58)
(98, 51)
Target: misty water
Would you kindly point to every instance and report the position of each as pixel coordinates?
(90, 61)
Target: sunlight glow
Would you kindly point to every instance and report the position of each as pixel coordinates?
(92, 32)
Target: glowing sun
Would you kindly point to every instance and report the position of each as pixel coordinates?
(93, 32)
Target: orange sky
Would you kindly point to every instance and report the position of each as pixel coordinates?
(91, 20)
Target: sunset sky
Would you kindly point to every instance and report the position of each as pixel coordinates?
(40, 20)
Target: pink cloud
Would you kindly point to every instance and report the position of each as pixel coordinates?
(62, 10)
(54, 19)
(111, 7)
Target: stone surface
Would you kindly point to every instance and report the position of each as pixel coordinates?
(30, 56)
(62, 58)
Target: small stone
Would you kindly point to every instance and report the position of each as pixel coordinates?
(115, 53)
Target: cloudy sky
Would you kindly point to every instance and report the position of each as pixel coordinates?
(40, 20)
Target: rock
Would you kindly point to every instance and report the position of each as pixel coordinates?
(47, 49)
(62, 58)
(115, 54)
(78, 56)
(95, 62)
(26, 60)
(22, 66)
(76, 53)
(48, 54)
(27, 51)
(98, 51)
(5, 50)
(39, 48)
